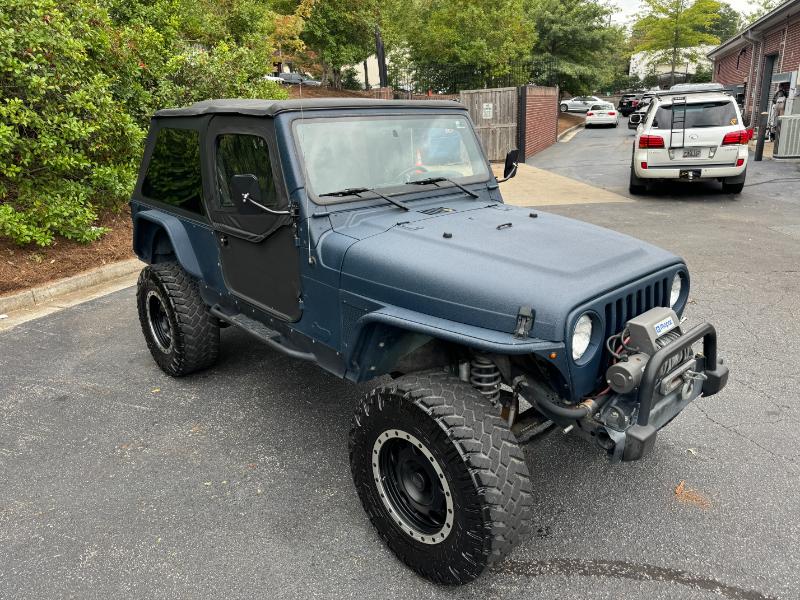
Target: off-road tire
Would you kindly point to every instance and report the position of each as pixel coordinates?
(732, 188)
(194, 342)
(483, 465)
(564, 108)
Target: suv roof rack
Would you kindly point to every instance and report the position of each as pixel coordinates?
(691, 92)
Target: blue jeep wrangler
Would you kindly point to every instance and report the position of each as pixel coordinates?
(370, 237)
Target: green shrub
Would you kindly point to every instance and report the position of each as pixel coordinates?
(80, 86)
(66, 143)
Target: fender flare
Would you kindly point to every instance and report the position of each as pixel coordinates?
(368, 358)
(147, 223)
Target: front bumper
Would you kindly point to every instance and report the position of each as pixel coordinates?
(626, 426)
(680, 171)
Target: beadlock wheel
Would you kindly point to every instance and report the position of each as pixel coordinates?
(412, 486)
(158, 321)
(440, 475)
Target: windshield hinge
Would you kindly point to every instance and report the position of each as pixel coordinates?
(524, 322)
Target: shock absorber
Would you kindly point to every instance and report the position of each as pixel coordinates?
(485, 377)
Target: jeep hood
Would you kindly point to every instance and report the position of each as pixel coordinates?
(478, 266)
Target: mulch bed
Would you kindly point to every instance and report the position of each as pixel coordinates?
(24, 267)
(567, 120)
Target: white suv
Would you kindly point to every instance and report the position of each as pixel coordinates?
(690, 135)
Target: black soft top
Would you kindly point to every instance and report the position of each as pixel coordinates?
(269, 108)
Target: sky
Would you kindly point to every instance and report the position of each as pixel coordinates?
(629, 8)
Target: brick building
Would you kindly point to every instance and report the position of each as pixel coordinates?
(769, 45)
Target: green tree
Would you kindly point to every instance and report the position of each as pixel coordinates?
(728, 24)
(672, 26)
(578, 37)
(340, 33)
(762, 7)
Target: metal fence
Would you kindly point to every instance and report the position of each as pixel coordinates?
(447, 80)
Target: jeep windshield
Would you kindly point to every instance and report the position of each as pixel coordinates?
(382, 152)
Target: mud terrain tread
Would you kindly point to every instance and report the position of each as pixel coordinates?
(483, 440)
(196, 345)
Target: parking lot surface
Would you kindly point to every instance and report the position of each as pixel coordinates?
(118, 481)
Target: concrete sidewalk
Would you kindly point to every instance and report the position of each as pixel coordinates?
(537, 187)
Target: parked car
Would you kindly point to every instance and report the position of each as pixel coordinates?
(690, 136)
(602, 114)
(627, 103)
(642, 104)
(299, 79)
(370, 238)
(578, 103)
(274, 78)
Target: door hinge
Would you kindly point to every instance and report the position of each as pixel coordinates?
(524, 322)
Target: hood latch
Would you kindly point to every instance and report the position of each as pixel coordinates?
(524, 322)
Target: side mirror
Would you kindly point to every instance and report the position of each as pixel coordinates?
(636, 118)
(510, 168)
(245, 193)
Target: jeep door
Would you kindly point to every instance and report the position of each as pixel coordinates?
(249, 210)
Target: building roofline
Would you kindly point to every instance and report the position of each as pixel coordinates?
(781, 12)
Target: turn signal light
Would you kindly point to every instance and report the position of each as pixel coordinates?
(739, 162)
(589, 114)
(651, 141)
(736, 137)
(611, 113)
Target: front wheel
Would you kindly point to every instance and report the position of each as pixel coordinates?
(564, 108)
(440, 476)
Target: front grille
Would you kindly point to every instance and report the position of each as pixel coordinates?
(632, 304)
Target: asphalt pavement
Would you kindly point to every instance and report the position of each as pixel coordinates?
(118, 481)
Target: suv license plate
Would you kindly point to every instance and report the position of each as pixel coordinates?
(691, 153)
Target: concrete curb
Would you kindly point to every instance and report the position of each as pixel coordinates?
(570, 130)
(38, 295)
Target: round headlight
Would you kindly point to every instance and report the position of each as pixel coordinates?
(675, 292)
(581, 336)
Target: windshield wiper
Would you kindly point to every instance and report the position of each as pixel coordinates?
(439, 179)
(357, 191)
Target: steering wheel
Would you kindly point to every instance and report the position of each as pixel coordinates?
(407, 173)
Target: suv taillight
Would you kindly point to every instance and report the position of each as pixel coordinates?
(651, 141)
(736, 137)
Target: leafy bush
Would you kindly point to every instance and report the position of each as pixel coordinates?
(80, 81)
(66, 143)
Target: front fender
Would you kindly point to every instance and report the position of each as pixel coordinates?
(383, 336)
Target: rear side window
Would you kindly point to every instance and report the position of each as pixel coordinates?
(244, 154)
(173, 175)
(698, 115)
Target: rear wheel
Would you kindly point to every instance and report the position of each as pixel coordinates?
(734, 185)
(181, 333)
(440, 475)
(636, 185)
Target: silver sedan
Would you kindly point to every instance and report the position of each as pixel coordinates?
(579, 103)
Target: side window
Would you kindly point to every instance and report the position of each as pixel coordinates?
(173, 175)
(243, 154)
